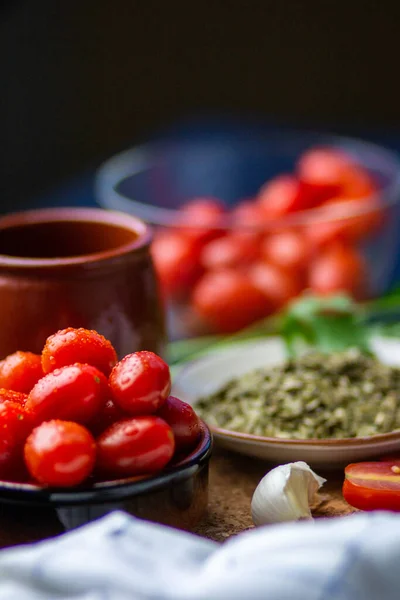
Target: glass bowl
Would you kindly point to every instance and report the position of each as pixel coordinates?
(154, 181)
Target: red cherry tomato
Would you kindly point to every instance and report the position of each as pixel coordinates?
(339, 269)
(177, 262)
(72, 393)
(372, 486)
(358, 185)
(230, 251)
(277, 285)
(110, 413)
(184, 422)
(15, 419)
(334, 169)
(205, 219)
(11, 396)
(339, 225)
(20, 371)
(285, 194)
(140, 383)
(248, 213)
(325, 167)
(60, 453)
(287, 249)
(228, 301)
(69, 346)
(135, 446)
(15, 425)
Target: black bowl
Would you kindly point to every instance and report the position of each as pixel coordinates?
(177, 496)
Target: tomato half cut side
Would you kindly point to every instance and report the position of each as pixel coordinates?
(373, 486)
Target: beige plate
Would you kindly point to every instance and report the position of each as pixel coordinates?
(207, 374)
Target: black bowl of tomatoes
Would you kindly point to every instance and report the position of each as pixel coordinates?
(85, 434)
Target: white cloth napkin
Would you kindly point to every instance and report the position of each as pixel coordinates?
(123, 558)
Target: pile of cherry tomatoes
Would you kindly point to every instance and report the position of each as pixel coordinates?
(232, 276)
(74, 412)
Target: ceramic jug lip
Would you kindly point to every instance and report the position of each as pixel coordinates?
(142, 239)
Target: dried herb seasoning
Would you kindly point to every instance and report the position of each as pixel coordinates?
(342, 394)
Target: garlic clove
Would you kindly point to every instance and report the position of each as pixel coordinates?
(285, 493)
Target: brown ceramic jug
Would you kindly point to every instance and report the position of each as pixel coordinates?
(77, 267)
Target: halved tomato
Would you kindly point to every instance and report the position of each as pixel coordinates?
(373, 485)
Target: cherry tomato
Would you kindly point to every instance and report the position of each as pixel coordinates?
(110, 413)
(339, 269)
(325, 166)
(140, 383)
(372, 486)
(277, 285)
(15, 419)
(332, 168)
(135, 446)
(230, 251)
(285, 194)
(20, 371)
(15, 425)
(368, 220)
(338, 225)
(287, 249)
(358, 185)
(228, 300)
(184, 422)
(205, 217)
(249, 213)
(11, 396)
(177, 262)
(324, 233)
(60, 453)
(69, 346)
(72, 393)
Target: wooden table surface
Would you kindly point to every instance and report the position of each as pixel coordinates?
(233, 479)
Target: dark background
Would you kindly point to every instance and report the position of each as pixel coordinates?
(81, 79)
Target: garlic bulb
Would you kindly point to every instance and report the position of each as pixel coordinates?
(285, 493)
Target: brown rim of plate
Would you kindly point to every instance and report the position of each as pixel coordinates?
(249, 437)
(360, 441)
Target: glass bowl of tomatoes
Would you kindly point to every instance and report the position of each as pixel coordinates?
(84, 433)
(244, 226)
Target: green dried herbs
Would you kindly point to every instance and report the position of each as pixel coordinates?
(343, 394)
